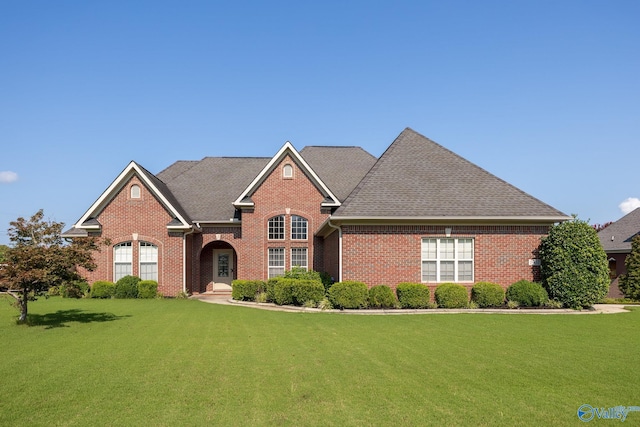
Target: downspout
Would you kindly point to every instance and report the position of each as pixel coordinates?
(337, 227)
(184, 258)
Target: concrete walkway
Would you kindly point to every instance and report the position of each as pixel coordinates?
(596, 309)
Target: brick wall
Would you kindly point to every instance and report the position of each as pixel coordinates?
(134, 220)
(276, 195)
(392, 254)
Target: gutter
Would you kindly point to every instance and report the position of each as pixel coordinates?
(337, 227)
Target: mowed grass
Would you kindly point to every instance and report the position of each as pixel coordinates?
(183, 362)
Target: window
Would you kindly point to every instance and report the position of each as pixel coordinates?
(447, 260)
(148, 261)
(122, 259)
(276, 228)
(135, 191)
(299, 257)
(276, 262)
(298, 228)
(287, 171)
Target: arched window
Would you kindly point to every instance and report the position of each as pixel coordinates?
(287, 171)
(148, 261)
(276, 228)
(298, 228)
(135, 191)
(122, 259)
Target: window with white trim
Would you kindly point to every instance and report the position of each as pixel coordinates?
(135, 191)
(447, 260)
(298, 228)
(287, 171)
(122, 260)
(275, 228)
(148, 261)
(276, 262)
(299, 258)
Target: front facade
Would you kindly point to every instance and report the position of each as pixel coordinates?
(419, 213)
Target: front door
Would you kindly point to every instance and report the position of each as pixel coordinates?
(222, 268)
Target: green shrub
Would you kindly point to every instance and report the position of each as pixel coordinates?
(288, 291)
(302, 273)
(630, 281)
(127, 287)
(102, 289)
(381, 296)
(349, 294)
(487, 294)
(527, 294)
(147, 289)
(413, 295)
(246, 290)
(574, 266)
(327, 281)
(270, 289)
(76, 289)
(451, 295)
(53, 291)
(183, 295)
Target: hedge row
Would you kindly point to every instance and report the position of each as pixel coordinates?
(309, 291)
(126, 287)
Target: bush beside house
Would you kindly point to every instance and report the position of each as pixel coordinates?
(451, 295)
(413, 295)
(486, 294)
(527, 294)
(574, 266)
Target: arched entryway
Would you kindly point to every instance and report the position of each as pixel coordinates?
(218, 266)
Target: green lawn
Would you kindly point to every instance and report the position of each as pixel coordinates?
(183, 362)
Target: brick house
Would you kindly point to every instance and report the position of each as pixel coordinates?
(616, 242)
(419, 213)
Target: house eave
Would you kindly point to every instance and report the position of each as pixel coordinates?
(453, 219)
(213, 223)
(325, 229)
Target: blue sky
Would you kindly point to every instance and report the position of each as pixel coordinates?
(543, 94)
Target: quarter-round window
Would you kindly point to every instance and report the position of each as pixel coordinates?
(287, 171)
(135, 191)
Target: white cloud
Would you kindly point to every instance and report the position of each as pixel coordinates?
(8, 176)
(629, 205)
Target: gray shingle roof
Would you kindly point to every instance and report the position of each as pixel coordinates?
(166, 192)
(207, 189)
(340, 168)
(622, 231)
(416, 177)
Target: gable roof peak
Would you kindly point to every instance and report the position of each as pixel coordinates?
(152, 182)
(287, 150)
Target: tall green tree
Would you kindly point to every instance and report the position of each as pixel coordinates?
(630, 281)
(574, 265)
(40, 258)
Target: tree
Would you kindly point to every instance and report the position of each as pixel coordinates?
(630, 281)
(3, 251)
(40, 258)
(574, 266)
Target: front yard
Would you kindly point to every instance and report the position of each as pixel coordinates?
(184, 362)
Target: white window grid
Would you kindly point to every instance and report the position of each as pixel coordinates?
(298, 228)
(276, 262)
(447, 260)
(299, 258)
(275, 229)
(148, 261)
(122, 260)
